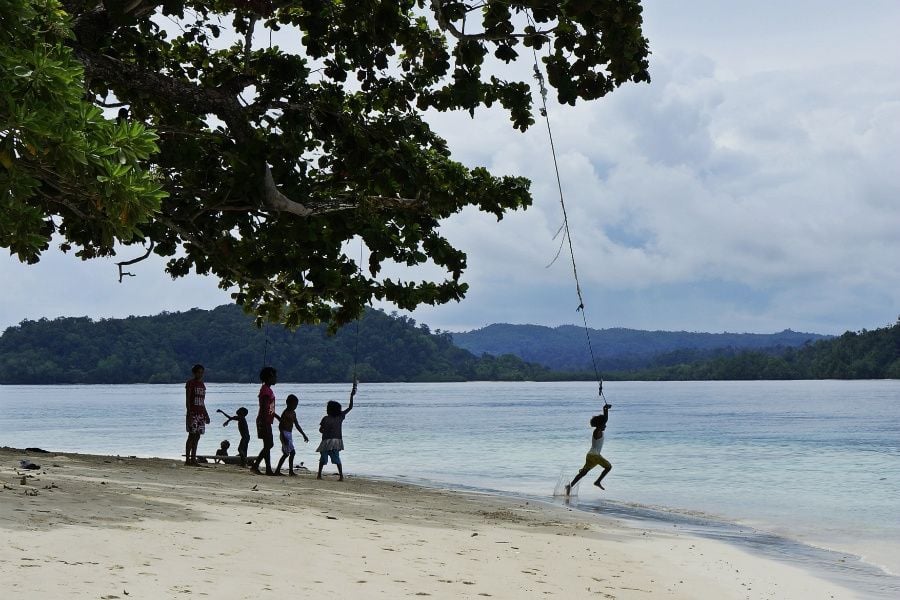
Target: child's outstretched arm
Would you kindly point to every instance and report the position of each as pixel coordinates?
(228, 418)
(352, 393)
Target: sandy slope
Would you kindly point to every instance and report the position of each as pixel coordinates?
(105, 527)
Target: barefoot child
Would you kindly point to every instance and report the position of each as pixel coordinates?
(332, 441)
(243, 429)
(222, 452)
(196, 416)
(285, 430)
(265, 418)
(594, 458)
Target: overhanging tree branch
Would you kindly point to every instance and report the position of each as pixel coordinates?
(125, 263)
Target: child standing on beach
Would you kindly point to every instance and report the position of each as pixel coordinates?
(241, 418)
(196, 417)
(332, 438)
(286, 424)
(265, 418)
(594, 458)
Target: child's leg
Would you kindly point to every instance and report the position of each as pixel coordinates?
(291, 462)
(194, 443)
(187, 450)
(588, 465)
(284, 452)
(242, 451)
(190, 449)
(607, 467)
(265, 434)
(263, 456)
(336, 459)
(323, 456)
(578, 476)
(267, 448)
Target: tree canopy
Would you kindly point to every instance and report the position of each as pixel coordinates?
(257, 163)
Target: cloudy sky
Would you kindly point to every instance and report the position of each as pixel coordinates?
(754, 185)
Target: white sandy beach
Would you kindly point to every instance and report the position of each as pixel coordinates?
(105, 527)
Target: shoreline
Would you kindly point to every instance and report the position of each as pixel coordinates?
(839, 565)
(150, 527)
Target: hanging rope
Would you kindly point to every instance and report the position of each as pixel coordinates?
(538, 75)
(266, 347)
(356, 345)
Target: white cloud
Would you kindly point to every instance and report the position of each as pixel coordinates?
(752, 186)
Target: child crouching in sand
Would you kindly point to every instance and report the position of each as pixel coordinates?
(332, 438)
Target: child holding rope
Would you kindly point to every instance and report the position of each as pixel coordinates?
(593, 457)
(332, 437)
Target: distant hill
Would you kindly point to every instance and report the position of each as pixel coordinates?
(865, 354)
(162, 348)
(565, 348)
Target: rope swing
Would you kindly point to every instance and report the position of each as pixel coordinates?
(564, 229)
(359, 317)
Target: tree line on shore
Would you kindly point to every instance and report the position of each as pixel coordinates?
(227, 341)
(379, 348)
(865, 354)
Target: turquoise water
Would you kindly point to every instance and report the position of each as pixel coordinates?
(808, 471)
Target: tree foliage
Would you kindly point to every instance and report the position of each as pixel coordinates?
(58, 154)
(162, 348)
(273, 158)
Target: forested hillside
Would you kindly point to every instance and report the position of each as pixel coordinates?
(564, 348)
(162, 348)
(854, 355)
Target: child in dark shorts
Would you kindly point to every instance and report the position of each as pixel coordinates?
(332, 436)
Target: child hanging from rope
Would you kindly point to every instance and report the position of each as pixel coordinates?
(594, 458)
(332, 438)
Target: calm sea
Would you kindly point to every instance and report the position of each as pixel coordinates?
(807, 471)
